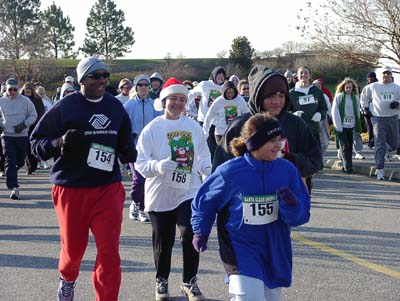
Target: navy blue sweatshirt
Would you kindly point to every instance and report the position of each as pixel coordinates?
(106, 130)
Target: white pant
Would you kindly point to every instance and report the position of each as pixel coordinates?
(244, 288)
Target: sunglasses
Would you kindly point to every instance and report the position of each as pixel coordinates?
(245, 88)
(69, 91)
(12, 89)
(105, 75)
(126, 87)
(143, 85)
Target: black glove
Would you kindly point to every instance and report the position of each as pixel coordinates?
(367, 113)
(72, 142)
(20, 127)
(394, 104)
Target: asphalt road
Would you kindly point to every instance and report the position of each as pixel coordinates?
(350, 249)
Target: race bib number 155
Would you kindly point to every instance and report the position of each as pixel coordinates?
(260, 209)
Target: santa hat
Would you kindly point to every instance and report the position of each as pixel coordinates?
(171, 86)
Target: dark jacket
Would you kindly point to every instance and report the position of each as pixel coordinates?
(300, 139)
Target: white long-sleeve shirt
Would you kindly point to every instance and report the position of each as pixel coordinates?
(182, 140)
(222, 112)
(378, 96)
(210, 92)
(349, 118)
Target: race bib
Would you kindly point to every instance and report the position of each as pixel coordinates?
(387, 96)
(306, 100)
(101, 157)
(260, 209)
(348, 121)
(177, 179)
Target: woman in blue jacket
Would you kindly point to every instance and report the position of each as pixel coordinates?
(257, 197)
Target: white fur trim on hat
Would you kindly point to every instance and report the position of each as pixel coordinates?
(174, 89)
(158, 104)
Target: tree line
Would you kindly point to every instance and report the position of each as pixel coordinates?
(27, 32)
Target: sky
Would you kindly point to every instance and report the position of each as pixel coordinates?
(195, 29)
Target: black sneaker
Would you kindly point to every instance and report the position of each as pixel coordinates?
(192, 291)
(162, 289)
(66, 290)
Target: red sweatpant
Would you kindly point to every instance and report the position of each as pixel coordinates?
(100, 210)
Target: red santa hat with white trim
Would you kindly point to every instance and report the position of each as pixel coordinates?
(171, 86)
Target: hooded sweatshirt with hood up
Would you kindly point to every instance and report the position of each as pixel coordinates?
(210, 90)
(156, 93)
(300, 140)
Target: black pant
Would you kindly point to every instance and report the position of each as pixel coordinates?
(346, 145)
(2, 157)
(164, 228)
(31, 161)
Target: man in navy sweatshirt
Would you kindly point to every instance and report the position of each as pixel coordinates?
(88, 131)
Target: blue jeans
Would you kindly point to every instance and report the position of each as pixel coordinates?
(14, 152)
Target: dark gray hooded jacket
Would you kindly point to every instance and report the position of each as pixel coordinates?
(302, 143)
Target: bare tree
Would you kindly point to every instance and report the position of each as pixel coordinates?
(362, 31)
(222, 54)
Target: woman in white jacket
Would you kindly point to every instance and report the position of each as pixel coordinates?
(172, 152)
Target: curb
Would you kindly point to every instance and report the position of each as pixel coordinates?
(390, 174)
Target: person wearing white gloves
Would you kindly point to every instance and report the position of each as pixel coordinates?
(310, 100)
(172, 155)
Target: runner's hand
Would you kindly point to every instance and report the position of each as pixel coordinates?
(287, 196)
(166, 164)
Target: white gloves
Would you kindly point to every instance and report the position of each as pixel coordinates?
(205, 173)
(166, 164)
(316, 117)
(298, 113)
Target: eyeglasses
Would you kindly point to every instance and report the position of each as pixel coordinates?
(12, 89)
(105, 75)
(143, 85)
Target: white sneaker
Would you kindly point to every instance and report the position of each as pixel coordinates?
(134, 211)
(380, 174)
(339, 152)
(143, 217)
(14, 194)
(359, 156)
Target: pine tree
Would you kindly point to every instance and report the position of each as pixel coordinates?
(19, 21)
(241, 52)
(60, 32)
(106, 36)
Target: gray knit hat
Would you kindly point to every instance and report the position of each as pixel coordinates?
(89, 65)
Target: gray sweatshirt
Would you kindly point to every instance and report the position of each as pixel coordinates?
(13, 112)
(378, 96)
